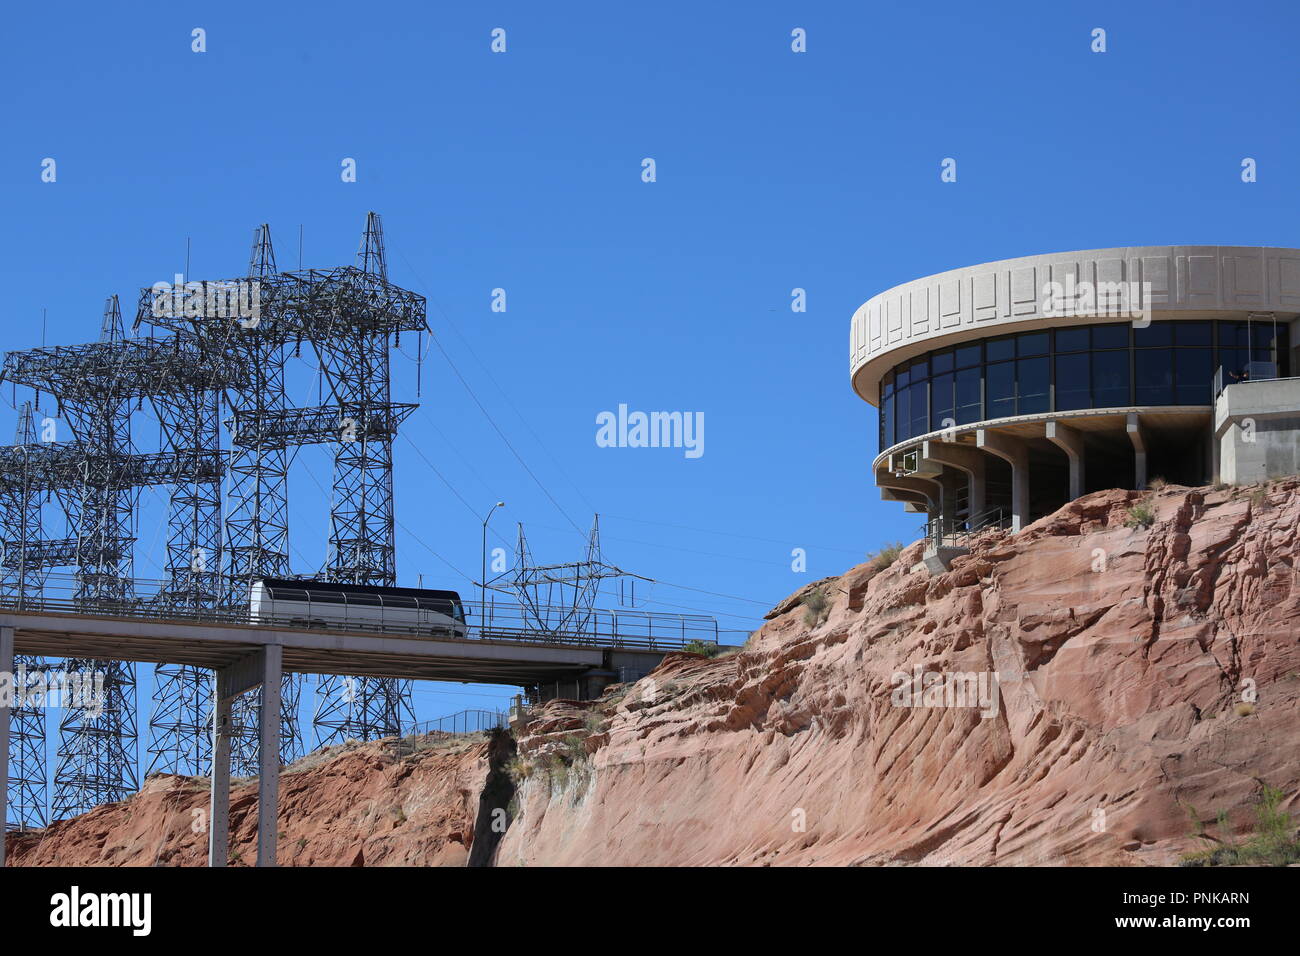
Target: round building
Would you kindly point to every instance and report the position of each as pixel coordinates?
(1008, 388)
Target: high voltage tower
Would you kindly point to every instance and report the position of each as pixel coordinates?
(20, 522)
(559, 598)
(224, 342)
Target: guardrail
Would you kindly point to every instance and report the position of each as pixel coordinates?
(420, 736)
(148, 599)
(949, 532)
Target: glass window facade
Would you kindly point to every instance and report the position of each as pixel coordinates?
(1093, 366)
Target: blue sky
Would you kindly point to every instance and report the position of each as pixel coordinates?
(522, 171)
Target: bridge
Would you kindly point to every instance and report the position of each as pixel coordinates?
(502, 645)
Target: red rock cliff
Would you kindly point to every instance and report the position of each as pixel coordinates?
(1123, 655)
(1125, 659)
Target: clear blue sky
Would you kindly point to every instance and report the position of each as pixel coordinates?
(522, 171)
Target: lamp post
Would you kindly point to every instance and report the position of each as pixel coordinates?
(482, 581)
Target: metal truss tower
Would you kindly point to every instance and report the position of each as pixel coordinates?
(20, 579)
(559, 598)
(362, 539)
(180, 739)
(96, 760)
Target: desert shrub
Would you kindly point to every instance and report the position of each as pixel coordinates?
(707, 648)
(1140, 515)
(518, 769)
(1274, 842)
(575, 748)
(887, 555)
(1243, 709)
(1157, 484)
(817, 607)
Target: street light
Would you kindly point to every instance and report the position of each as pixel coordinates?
(482, 581)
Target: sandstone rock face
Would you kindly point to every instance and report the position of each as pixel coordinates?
(1101, 686)
(356, 805)
(1145, 677)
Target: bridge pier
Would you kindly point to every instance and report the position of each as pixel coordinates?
(6, 667)
(261, 667)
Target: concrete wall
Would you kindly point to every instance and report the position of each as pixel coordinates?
(1186, 282)
(1257, 430)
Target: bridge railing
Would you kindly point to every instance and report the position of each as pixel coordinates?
(151, 599)
(420, 736)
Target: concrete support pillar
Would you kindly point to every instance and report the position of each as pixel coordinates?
(965, 459)
(6, 667)
(262, 667)
(1015, 453)
(1137, 435)
(268, 786)
(1070, 441)
(219, 802)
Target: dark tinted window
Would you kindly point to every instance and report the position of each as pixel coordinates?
(968, 396)
(1031, 343)
(1193, 372)
(940, 362)
(1110, 336)
(941, 402)
(1193, 333)
(1071, 340)
(1109, 379)
(968, 355)
(1000, 380)
(1157, 333)
(998, 349)
(1031, 386)
(1072, 381)
(1153, 373)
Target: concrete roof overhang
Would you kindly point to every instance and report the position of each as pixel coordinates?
(993, 298)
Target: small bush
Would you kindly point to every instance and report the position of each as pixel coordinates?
(1244, 709)
(576, 749)
(1274, 842)
(1141, 515)
(1157, 484)
(518, 770)
(817, 607)
(887, 555)
(1258, 496)
(707, 648)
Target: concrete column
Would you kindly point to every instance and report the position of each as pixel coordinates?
(1016, 453)
(219, 806)
(1138, 437)
(6, 667)
(1070, 441)
(268, 781)
(963, 458)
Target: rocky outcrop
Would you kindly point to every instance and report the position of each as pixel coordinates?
(1146, 678)
(1092, 690)
(352, 805)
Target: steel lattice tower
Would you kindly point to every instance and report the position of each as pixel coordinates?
(21, 579)
(113, 373)
(96, 762)
(362, 537)
(181, 722)
(559, 598)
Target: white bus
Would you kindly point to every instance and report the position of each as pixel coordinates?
(323, 604)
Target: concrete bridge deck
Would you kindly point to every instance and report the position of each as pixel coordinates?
(244, 656)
